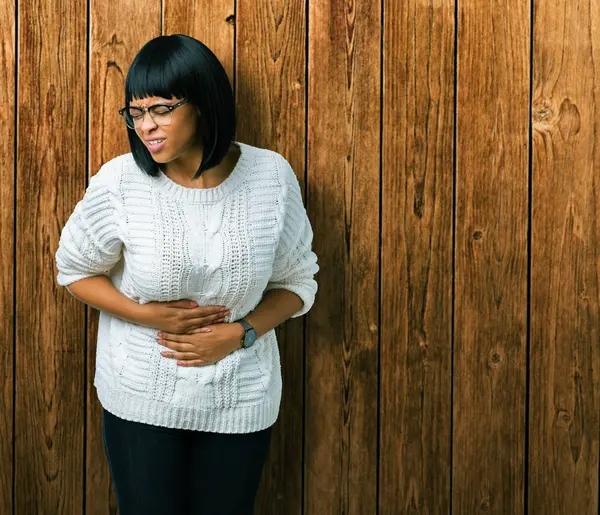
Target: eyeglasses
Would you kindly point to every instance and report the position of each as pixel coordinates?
(160, 113)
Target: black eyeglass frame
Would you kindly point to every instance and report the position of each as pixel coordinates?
(170, 107)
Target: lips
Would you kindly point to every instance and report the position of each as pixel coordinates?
(155, 144)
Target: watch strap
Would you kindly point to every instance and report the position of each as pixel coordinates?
(247, 327)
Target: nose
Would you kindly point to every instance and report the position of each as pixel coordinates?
(147, 122)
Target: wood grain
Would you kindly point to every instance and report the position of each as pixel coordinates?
(115, 40)
(447, 443)
(491, 258)
(565, 356)
(343, 199)
(7, 251)
(416, 261)
(270, 91)
(212, 22)
(51, 156)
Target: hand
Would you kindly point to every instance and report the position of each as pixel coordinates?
(182, 316)
(203, 346)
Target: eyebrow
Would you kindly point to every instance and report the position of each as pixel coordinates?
(164, 102)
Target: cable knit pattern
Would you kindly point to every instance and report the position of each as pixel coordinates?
(160, 241)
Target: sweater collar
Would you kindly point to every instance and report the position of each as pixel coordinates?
(169, 187)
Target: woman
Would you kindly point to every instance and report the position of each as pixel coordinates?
(194, 248)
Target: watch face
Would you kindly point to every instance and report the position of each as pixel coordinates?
(250, 338)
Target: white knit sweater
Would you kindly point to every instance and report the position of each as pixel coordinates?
(160, 241)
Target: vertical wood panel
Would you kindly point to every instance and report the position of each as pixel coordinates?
(565, 364)
(211, 22)
(49, 322)
(118, 30)
(262, 46)
(7, 252)
(343, 200)
(491, 258)
(270, 91)
(416, 267)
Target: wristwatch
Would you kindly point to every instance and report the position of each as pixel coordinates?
(249, 337)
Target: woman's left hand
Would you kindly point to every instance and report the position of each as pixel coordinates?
(203, 346)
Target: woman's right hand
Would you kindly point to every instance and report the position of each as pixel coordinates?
(182, 316)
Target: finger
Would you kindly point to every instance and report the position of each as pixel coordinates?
(204, 311)
(193, 363)
(183, 303)
(163, 335)
(213, 319)
(180, 355)
(181, 347)
(200, 330)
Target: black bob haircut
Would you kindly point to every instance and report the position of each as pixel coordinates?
(181, 66)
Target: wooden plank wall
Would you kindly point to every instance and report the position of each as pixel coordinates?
(449, 157)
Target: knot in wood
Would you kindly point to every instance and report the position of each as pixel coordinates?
(564, 417)
(495, 358)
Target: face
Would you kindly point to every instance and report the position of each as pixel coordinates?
(171, 142)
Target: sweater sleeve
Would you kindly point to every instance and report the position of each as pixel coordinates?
(295, 263)
(91, 241)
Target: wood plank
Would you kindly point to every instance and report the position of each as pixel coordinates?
(51, 158)
(270, 92)
(7, 251)
(416, 262)
(343, 200)
(115, 41)
(212, 22)
(491, 258)
(565, 356)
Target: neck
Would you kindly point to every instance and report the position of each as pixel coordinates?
(183, 168)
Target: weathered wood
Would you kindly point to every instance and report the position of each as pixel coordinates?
(491, 258)
(115, 40)
(416, 262)
(343, 200)
(270, 91)
(324, 458)
(212, 22)
(565, 355)
(51, 157)
(7, 251)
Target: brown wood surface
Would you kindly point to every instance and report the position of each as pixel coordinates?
(416, 261)
(490, 332)
(115, 40)
(7, 228)
(212, 22)
(565, 250)
(51, 158)
(270, 94)
(341, 407)
(405, 388)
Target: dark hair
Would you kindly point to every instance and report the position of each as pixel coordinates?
(181, 66)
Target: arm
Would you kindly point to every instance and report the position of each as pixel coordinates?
(275, 308)
(100, 293)
(291, 290)
(91, 240)
(90, 246)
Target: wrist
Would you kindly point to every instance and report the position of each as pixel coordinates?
(238, 333)
(142, 314)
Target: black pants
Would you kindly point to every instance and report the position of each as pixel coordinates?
(163, 471)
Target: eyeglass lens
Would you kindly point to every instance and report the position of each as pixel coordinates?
(134, 117)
